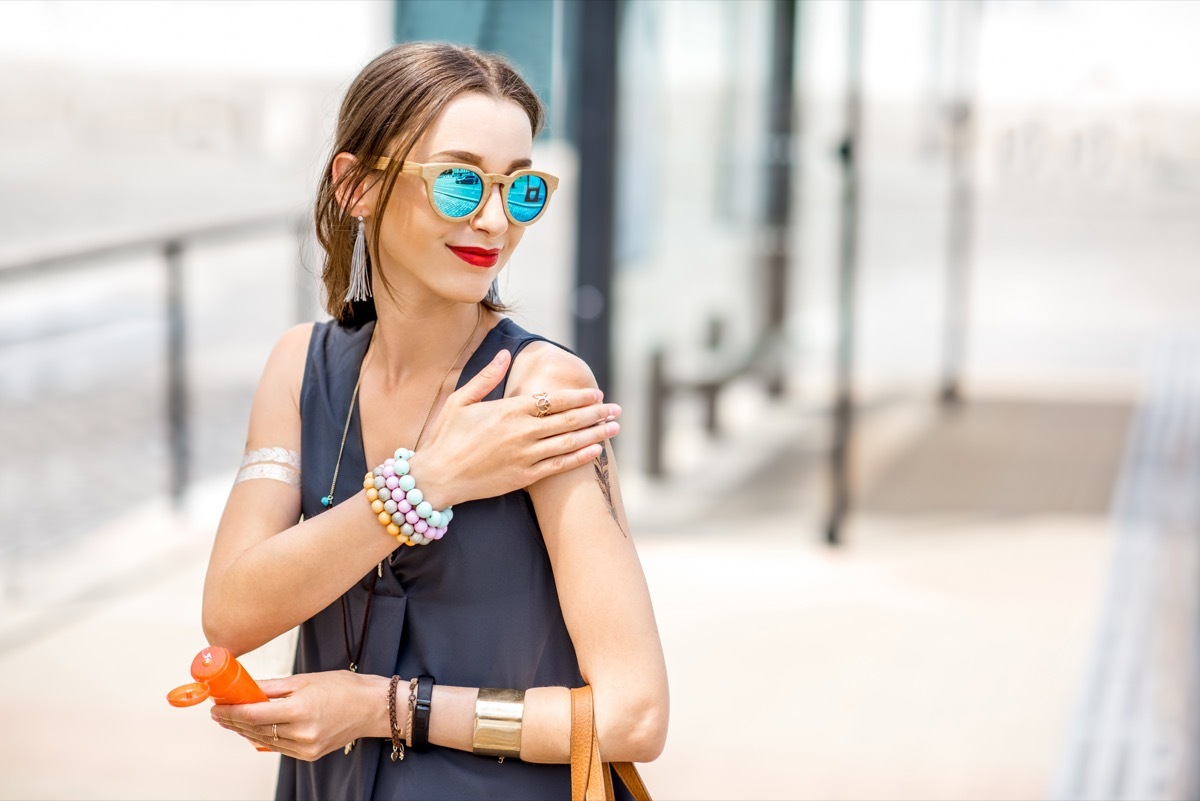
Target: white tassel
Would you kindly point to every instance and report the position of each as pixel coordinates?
(358, 288)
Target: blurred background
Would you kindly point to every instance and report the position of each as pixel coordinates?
(913, 284)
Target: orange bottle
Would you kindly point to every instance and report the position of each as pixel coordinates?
(222, 678)
(218, 676)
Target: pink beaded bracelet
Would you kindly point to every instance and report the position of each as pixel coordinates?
(401, 507)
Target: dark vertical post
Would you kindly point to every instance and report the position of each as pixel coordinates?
(962, 204)
(779, 184)
(302, 230)
(596, 44)
(656, 413)
(177, 422)
(710, 392)
(843, 409)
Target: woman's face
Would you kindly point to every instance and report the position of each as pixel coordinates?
(425, 257)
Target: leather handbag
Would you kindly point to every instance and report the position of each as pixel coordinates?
(591, 779)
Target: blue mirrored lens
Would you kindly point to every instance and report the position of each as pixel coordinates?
(526, 198)
(457, 192)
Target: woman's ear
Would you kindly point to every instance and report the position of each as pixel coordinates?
(355, 199)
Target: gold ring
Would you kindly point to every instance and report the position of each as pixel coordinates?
(275, 732)
(543, 403)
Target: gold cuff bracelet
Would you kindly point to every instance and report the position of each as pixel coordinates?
(498, 722)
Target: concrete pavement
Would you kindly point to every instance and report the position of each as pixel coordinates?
(934, 656)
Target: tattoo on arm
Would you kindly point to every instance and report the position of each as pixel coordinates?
(601, 468)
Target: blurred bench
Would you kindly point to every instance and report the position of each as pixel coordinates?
(717, 368)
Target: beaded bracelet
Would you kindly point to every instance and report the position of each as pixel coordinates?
(401, 507)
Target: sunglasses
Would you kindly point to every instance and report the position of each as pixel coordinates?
(456, 191)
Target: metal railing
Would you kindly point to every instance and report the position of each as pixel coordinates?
(1137, 719)
(172, 244)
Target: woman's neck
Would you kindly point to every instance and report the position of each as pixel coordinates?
(409, 343)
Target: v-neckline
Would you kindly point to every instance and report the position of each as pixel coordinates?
(356, 414)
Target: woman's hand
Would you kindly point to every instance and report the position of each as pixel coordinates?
(311, 714)
(479, 450)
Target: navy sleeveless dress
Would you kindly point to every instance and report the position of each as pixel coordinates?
(478, 608)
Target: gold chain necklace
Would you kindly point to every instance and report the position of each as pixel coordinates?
(327, 501)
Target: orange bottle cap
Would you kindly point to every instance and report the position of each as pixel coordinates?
(188, 694)
(211, 663)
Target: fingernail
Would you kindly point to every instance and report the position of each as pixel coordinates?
(612, 428)
(614, 411)
(597, 396)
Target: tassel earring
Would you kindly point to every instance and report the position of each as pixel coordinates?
(358, 288)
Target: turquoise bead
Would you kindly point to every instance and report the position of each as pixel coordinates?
(435, 518)
(424, 508)
(407, 483)
(415, 497)
(326, 501)
(401, 467)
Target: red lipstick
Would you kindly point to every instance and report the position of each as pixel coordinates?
(477, 257)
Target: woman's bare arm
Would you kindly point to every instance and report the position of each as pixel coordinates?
(605, 603)
(602, 589)
(268, 573)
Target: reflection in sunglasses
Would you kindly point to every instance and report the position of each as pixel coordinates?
(455, 191)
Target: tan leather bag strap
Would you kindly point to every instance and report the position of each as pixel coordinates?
(590, 778)
(632, 779)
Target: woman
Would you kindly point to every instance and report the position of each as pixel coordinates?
(460, 647)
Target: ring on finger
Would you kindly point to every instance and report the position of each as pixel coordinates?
(275, 732)
(542, 401)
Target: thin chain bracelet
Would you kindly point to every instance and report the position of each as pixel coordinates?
(412, 702)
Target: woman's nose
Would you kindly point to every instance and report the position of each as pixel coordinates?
(490, 218)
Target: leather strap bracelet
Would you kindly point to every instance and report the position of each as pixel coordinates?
(498, 716)
(397, 745)
(421, 712)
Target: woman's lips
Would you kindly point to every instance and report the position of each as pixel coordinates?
(477, 257)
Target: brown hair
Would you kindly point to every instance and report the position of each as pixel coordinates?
(390, 104)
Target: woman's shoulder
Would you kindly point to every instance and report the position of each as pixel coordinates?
(297, 337)
(543, 365)
(291, 349)
(285, 365)
(328, 341)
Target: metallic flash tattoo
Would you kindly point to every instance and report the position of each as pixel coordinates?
(277, 464)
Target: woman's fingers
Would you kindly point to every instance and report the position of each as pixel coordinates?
(556, 401)
(581, 419)
(258, 717)
(570, 409)
(575, 442)
(484, 381)
(572, 449)
(563, 462)
(278, 688)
